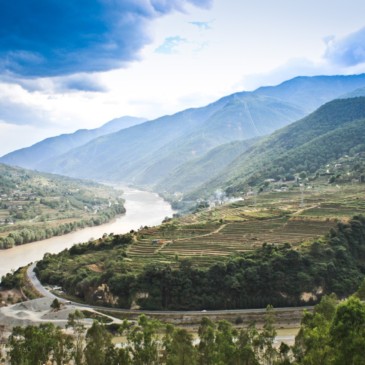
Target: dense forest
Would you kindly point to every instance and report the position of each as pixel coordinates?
(279, 275)
(333, 334)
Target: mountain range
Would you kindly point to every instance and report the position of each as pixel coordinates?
(334, 130)
(35, 156)
(195, 148)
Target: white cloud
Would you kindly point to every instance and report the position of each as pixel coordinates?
(246, 48)
(347, 51)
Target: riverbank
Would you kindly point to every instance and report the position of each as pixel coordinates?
(143, 208)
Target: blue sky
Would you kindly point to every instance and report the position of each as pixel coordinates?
(75, 64)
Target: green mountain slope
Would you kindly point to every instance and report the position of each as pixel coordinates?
(335, 129)
(147, 154)
(200, 170)
(35, 206)
(353, 94)
(243, 117)
(117, 156)
(34, 156)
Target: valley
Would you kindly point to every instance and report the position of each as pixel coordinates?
(35, 206)
(248, 209)
(250, 221)
(246, 248)
(182, 182)
(141, 208)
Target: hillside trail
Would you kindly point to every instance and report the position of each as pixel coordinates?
(300, 211)
(189, 238)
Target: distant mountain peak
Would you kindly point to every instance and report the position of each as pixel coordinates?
(33, 156)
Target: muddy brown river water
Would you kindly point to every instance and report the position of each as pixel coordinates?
(143, 209)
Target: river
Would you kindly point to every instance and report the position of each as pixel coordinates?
(143, 208)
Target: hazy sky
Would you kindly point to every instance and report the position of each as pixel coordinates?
(73, 64)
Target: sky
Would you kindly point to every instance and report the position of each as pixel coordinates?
(72, 64)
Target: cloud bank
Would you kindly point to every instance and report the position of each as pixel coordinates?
(348, 51)
(53, 38)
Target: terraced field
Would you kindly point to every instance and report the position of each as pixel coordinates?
(248, 235)
(289, 217)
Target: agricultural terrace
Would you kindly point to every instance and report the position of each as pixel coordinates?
(292, 217)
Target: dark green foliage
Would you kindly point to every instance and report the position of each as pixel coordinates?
(56, 305)
(12, 280)
(333, 334)
(98, 342)
(35, 345)
(146, 342)
(276, 275)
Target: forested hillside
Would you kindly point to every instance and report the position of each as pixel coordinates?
(147, 153)
(273, 274)
(35, 206)
(202, 169)
(333, 131)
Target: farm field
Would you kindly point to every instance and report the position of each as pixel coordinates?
(35, 206)
(259, 247)
(292, 217)
(214, 235)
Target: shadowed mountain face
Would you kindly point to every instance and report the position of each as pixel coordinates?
(160, 151)
(334, 130)
(34, 156)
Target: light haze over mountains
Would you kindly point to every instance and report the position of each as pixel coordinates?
(183, 151)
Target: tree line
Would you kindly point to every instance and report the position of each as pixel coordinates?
(34, 233)
(333, 334)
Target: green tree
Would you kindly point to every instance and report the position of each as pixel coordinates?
(75, 323)
(143, 341)
(181, 351)
(56, 305)
(312, 344)
(117, 356)
(347, 333)
(206, 346)
(360, 293)
(246, 353)
(98, 341)
(267, 337)
(32, 345)
(225, 345)
(62, 347)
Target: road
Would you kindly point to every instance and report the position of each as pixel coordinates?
(46, 293)
(37, 284)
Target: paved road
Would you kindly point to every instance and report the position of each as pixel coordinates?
(37, 284)
(43, 291)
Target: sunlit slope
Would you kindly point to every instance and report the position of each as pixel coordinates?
(334, 130)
